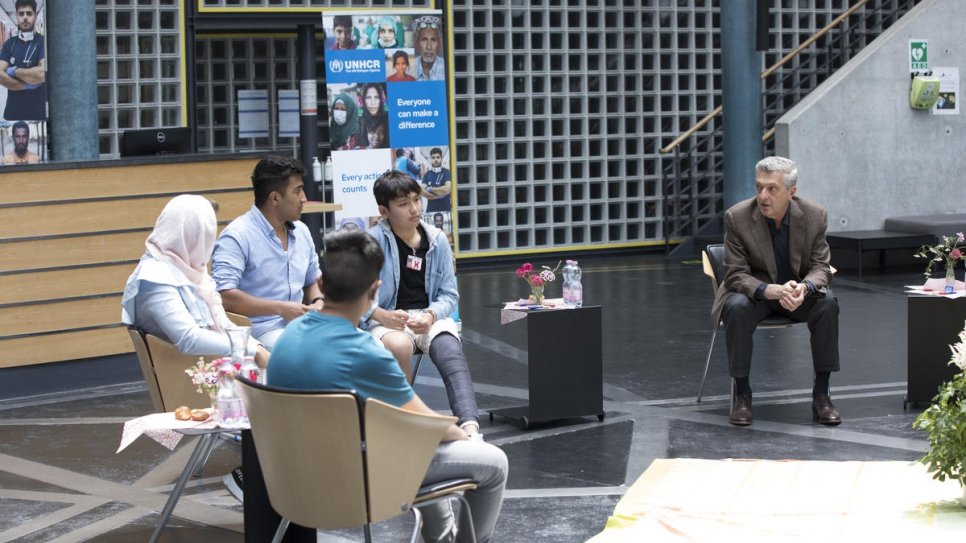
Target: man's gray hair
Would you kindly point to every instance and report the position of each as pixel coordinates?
(779, 164)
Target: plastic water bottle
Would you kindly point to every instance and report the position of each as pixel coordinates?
(250, 370)
(328, 169)
(231, 410)
(573, 290)
(316, 170)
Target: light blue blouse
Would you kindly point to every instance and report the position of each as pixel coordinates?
(160, 300)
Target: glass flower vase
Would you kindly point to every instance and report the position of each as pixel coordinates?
(950, 276)
(537, 294)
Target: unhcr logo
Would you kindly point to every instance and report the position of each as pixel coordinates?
(335, 65)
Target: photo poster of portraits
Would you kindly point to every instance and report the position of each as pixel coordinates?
(387, 101)
(23, 92)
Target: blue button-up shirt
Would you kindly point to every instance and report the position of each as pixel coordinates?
(248, 256)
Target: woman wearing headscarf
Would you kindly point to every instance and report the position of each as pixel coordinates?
(387, 34)
(344, 123)
(375, 119)
(170, 294)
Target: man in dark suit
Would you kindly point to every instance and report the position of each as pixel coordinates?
(777, 262)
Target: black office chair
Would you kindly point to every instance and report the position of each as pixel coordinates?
(713, 260)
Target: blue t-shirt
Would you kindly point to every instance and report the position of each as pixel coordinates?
(319, 351)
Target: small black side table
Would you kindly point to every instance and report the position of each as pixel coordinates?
(934, 324)
(565, 367)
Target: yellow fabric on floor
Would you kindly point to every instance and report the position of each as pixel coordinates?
(794, 500)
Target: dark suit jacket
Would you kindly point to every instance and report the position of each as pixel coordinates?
(750, 256)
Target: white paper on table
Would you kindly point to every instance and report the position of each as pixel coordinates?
(160, 427)
(937, 287)
(514, 311)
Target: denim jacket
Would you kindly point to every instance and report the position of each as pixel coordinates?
(440, 276)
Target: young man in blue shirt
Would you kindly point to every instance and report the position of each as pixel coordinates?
(418, 293)
(264, 263)
(325, 350)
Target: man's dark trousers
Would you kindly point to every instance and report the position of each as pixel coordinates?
(741, 315)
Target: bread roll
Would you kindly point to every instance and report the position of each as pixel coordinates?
(183, 412)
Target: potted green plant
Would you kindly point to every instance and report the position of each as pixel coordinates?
(945, 424)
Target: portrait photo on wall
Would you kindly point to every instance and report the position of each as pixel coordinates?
(23, 142)
(399, 65)
(340, 33)
(436, 179)
(442, 220)
(385, 32)
(427, 40)
(343, 101)
(23, 60)
(374, 125)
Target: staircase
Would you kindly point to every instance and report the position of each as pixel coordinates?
(693, 163)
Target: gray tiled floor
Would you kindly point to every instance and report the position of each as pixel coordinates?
(60, 479)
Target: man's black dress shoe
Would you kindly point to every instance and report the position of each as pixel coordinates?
(824, 412)
(740, 410)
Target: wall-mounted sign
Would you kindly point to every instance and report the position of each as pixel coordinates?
(918, 55)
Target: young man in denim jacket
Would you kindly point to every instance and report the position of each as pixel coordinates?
(418, 293)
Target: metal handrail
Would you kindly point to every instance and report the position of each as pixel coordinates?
(764, 75)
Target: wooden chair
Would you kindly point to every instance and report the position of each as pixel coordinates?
(713, 261)
(163, 368)
(331, 461)
(169, 386)
(239, 320)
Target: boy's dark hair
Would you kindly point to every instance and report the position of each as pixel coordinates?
(400, 54)
(393, 184)
(350, 265)
(435, 151)
(31, 3)
(344, 21)
(272, 174)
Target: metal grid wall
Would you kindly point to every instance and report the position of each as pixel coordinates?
(138, 67)
(561, 105)
(223, 66)
(559, 126)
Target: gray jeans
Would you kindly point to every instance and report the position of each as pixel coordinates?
(476, 460)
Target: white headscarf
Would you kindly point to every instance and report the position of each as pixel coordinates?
(184, 237)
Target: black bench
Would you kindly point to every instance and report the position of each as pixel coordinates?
(940, 224)
(877, 240)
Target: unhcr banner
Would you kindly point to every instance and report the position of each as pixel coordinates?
(23, 89)
(386, 89)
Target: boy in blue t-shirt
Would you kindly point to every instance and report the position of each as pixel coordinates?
(325, 350)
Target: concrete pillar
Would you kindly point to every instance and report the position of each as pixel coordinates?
(742, 97)
(72, 79)
(308, 130)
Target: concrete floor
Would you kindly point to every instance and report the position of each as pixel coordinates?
(60, 479)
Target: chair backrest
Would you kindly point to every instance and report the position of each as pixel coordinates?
(399, 448)
(163, 368)
(310, 447)
(713, 260)
(147, 366)
(239, 320)
(310, 450)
